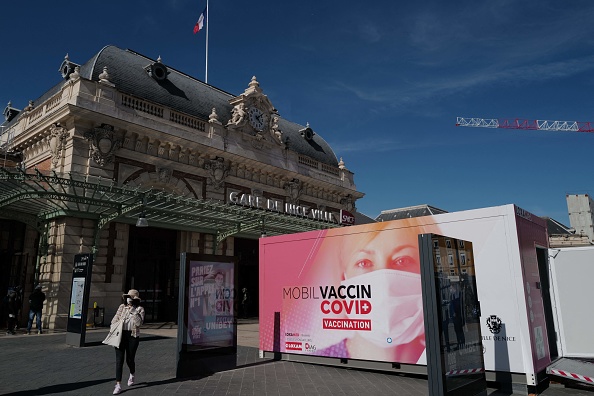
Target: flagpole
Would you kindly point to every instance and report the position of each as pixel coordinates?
(207, 24)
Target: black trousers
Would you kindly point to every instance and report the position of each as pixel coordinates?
(127, 349)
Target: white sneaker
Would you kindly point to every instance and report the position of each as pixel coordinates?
(117, 390)
(131, 380)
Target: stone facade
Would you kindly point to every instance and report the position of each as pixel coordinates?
(89, 126)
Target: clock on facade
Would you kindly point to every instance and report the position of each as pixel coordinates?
(256, 118)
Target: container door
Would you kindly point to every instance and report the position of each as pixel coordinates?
(545, 290)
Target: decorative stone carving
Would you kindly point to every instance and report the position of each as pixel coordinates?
(348, 203)
(239, 116)
(104, 77)
(341, 164)
(57, 139)
(103, 144)
(254, 86)
(164, 175)
(173, 152)
(213, 118)
(258, 140)
(29, 107)
(276, 133)
(218, 172)
(294, 190)
(252, 110)
(75, 75)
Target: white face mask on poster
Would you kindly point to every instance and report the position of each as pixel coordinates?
(396, 306)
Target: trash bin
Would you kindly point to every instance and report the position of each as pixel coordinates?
(90, 318)
(99, 316)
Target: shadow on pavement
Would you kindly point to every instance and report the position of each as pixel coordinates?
(242, 366)
(52, 389)
(143, 385)
(144, 339)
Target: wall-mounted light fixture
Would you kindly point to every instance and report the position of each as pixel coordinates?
(141, 222)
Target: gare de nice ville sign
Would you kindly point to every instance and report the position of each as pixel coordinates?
(258, 202)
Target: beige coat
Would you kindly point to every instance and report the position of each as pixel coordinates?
(137, 318)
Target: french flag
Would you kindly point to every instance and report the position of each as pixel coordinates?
(201, 22)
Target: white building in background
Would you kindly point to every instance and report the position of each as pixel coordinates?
(580, 208)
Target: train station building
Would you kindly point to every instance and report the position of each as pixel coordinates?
(135, 162)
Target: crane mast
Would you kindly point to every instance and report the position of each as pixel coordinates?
(520, 123)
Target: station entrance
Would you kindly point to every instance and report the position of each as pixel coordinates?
(151, 270)
(247, 253)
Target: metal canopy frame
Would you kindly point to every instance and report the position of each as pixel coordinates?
(36, 198)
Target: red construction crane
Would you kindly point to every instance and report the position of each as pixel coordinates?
(519, 123)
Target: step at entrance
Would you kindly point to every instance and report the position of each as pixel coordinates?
(573, 369)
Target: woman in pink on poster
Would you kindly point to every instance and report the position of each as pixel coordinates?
(387, 262)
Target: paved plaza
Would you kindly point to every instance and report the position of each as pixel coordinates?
(45, 365)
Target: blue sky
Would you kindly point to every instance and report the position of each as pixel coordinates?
(381, 81)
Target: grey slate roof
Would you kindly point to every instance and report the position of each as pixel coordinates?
(185, 94)
(361, 218)
(411, 211)
(556, 228)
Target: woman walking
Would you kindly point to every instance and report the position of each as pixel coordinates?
(133, 316)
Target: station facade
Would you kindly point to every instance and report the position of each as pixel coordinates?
(125, 141)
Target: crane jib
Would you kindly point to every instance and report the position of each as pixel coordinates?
(519, 123)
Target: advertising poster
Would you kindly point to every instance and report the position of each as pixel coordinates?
(345, 295)
(355, 292)
(77, 298)
(210, 304)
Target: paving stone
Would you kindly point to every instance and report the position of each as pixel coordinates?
(52, 367)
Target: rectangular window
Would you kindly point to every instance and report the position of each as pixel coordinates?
(451, 260)
(461, 244)
(438, 259)
(462, 259)
(452, 272)
(435, 244)
(448, 244)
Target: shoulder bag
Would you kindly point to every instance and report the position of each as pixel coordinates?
(114, 337)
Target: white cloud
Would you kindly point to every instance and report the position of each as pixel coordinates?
(402, 95)
(378, 143)
(370, 33)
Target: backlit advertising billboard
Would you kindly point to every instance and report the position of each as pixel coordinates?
(352, 296)
(209, 302)
(207, 325)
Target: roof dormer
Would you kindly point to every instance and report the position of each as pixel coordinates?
(10, 112)
(67, 67)
(157, 70)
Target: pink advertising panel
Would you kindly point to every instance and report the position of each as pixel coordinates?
(530, 236)
(345, 294)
